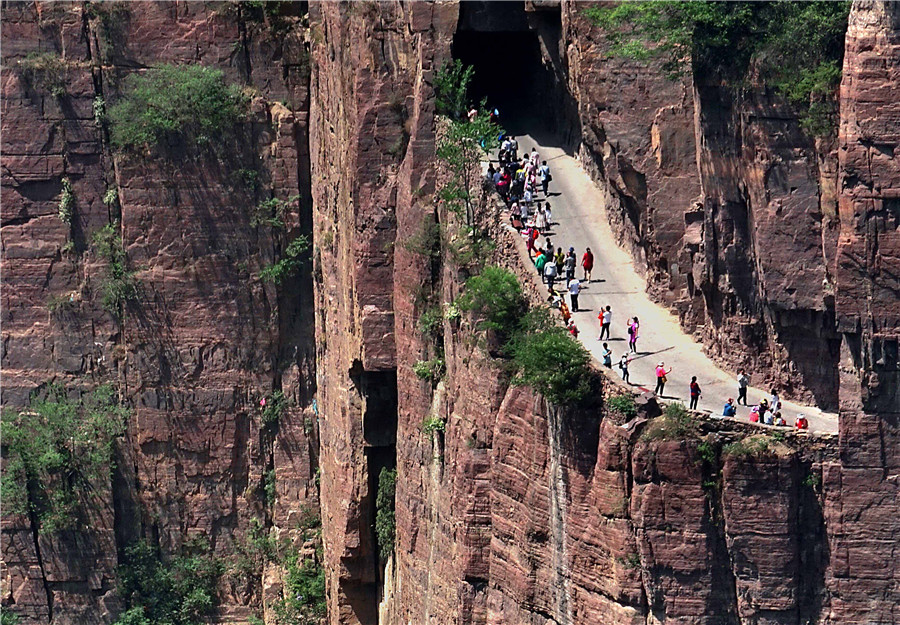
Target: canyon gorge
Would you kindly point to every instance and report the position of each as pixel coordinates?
(281, 420)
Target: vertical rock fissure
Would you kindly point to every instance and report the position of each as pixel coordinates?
(35, 534)
(558, 518)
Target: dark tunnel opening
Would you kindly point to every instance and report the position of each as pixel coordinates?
(518, 67)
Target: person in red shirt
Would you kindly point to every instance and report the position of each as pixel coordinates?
(802, 423)
(695, 392)
(587, 264)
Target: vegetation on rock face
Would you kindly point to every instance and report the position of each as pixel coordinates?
(289, 263)
(384, 511)
(168, 591)
(66, 201)
(431, 370)
(175, 104)
(451, 87)
(45, 71)
(58, 451)
(623, 404)
(119, 286)
(495, 298)
(798, 47)
(550, 360)
(675, 423)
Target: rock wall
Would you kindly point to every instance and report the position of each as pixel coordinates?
(726, 204)
(862, 516)
(206, 339)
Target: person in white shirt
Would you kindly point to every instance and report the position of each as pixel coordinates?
(574, 290)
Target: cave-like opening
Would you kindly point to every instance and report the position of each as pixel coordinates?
(517, 62)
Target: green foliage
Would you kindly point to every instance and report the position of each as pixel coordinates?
(168, 591)
(452, 312)
(9, 618)
(707, 452)
(675, 423)
(427, 241)
(273, 409)
(57, 451)
(59, 303)
(304, 590)
(746, 447)
(288, 264)
(798, 46)
(45, 71)
(111, 196)
(495, 298)
(175, 104)
(631, 561)
(451, 88)
(550, 360)
(270, 487)
(119, 286)
(99, 109)
(431, 323)
(271, 212)
(384, 511)
(432, 424)
(623, 404)
(66, 201)
(812, 481)
(430, 369)
(461, 147)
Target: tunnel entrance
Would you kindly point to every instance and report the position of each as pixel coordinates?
(518, 66)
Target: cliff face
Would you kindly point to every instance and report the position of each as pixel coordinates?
(516, 511)
(726, 204)
(205, 340)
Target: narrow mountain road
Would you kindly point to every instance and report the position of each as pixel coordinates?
(580, 221)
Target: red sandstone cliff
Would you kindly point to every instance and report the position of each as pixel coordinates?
(205, 340)
(517, 512)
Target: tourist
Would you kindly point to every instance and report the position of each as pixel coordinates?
(774, 401)
(535, 158)
(539, 264)
(549, 214)
(743, 381)
(754, 414)
(544, 172)
(762, 408)
(607, 355)
(623, 367)
(729, 410)
(633, 328)
(587, 264)
(540, 217)
(801, 423)
(569, 264)
(573, 329)
(695, 392)
(513, 149)
(560, 258)
(605, 322)
(779, 420)
(574, 289)
(661, 377)
(769, 418)
(550, 272)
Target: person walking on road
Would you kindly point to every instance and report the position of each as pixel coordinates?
(605, 322)
(587, 264)
(569, 264)
(607, 356)
(623, 367)
(695, 392)
(633, 326)
(574, 289)
(544, 172)
(743, 381)
(550, 272)
(661, 378)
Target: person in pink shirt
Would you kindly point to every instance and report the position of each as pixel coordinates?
(661, 377)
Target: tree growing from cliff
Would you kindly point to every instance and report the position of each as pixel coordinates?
(173, 105)
(58, 451)
(797, 47)
(451, 89)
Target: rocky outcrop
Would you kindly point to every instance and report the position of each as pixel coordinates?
(206, 339)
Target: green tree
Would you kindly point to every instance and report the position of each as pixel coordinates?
(290, 262)
(384, 511)
(798, 46)
(550, 360)
(495, 297)
(451, 88)
(174, 104)
(57, 451)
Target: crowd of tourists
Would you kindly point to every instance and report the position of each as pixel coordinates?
(523, 181)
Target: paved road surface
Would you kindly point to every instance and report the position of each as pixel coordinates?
(580, 221)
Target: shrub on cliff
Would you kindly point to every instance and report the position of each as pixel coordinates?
(797, 46)
(57, 452)
(495, 298)
(547, 358)
(175, 104)
(384, 511)
(451, 87)
(173, 591)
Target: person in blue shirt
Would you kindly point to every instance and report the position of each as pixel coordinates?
(729, 410)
